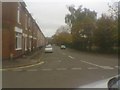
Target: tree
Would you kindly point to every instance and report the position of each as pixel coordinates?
(105, 35)
(119, 23)
(114, 9)
(82, 23)
(62, 38)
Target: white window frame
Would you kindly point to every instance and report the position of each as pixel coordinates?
(18, 14)
(18, 36)
(25, 41)
(18, 41)
(30, 44)
(26, 21)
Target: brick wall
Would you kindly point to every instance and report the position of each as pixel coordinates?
(25, 23)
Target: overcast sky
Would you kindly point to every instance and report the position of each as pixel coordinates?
(50, 14)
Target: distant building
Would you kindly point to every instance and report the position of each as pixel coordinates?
(20, 32)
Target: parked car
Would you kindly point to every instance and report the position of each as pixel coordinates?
(63, 47)
(48, 49)
(112, 83)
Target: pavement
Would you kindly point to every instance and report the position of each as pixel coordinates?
(25, 60)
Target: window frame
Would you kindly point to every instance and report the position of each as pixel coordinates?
(25, 42)
(26, 22)
(18, 14)
(18, 38)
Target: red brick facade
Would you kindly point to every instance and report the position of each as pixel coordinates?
(20, 32)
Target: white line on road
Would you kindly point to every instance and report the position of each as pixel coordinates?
(103, 67)
(107, 67)
(46, 69)
(118, 67)
(61, 69)
(91, 68)
(71, 57)
(76, 68)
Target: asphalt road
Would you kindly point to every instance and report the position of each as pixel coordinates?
(63, 69)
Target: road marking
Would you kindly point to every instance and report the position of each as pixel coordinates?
(107, 67)
(118, 67)
(103, 67)
(61, 69)
(76, 68)
(71, 57)
(47, 69)
(91, 68)
(22, 67)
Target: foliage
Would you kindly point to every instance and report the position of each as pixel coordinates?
(105, 36)
(88, 31)
(83, 24)
(114, 9)
(62, 38)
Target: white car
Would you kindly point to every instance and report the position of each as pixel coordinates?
(96, 84)
(113, 82)
(48, 49)
(63, 47)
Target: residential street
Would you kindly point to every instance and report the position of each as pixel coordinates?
(62, 69)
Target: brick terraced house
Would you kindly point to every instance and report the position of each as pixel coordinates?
(20, 33)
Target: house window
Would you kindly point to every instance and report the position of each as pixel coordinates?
(26, 21)
(26, 43)
(29, 22)
(30, 44)
(18, 41)
(18, 38)
(18, 15)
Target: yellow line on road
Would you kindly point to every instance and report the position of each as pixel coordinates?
(21, 67)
